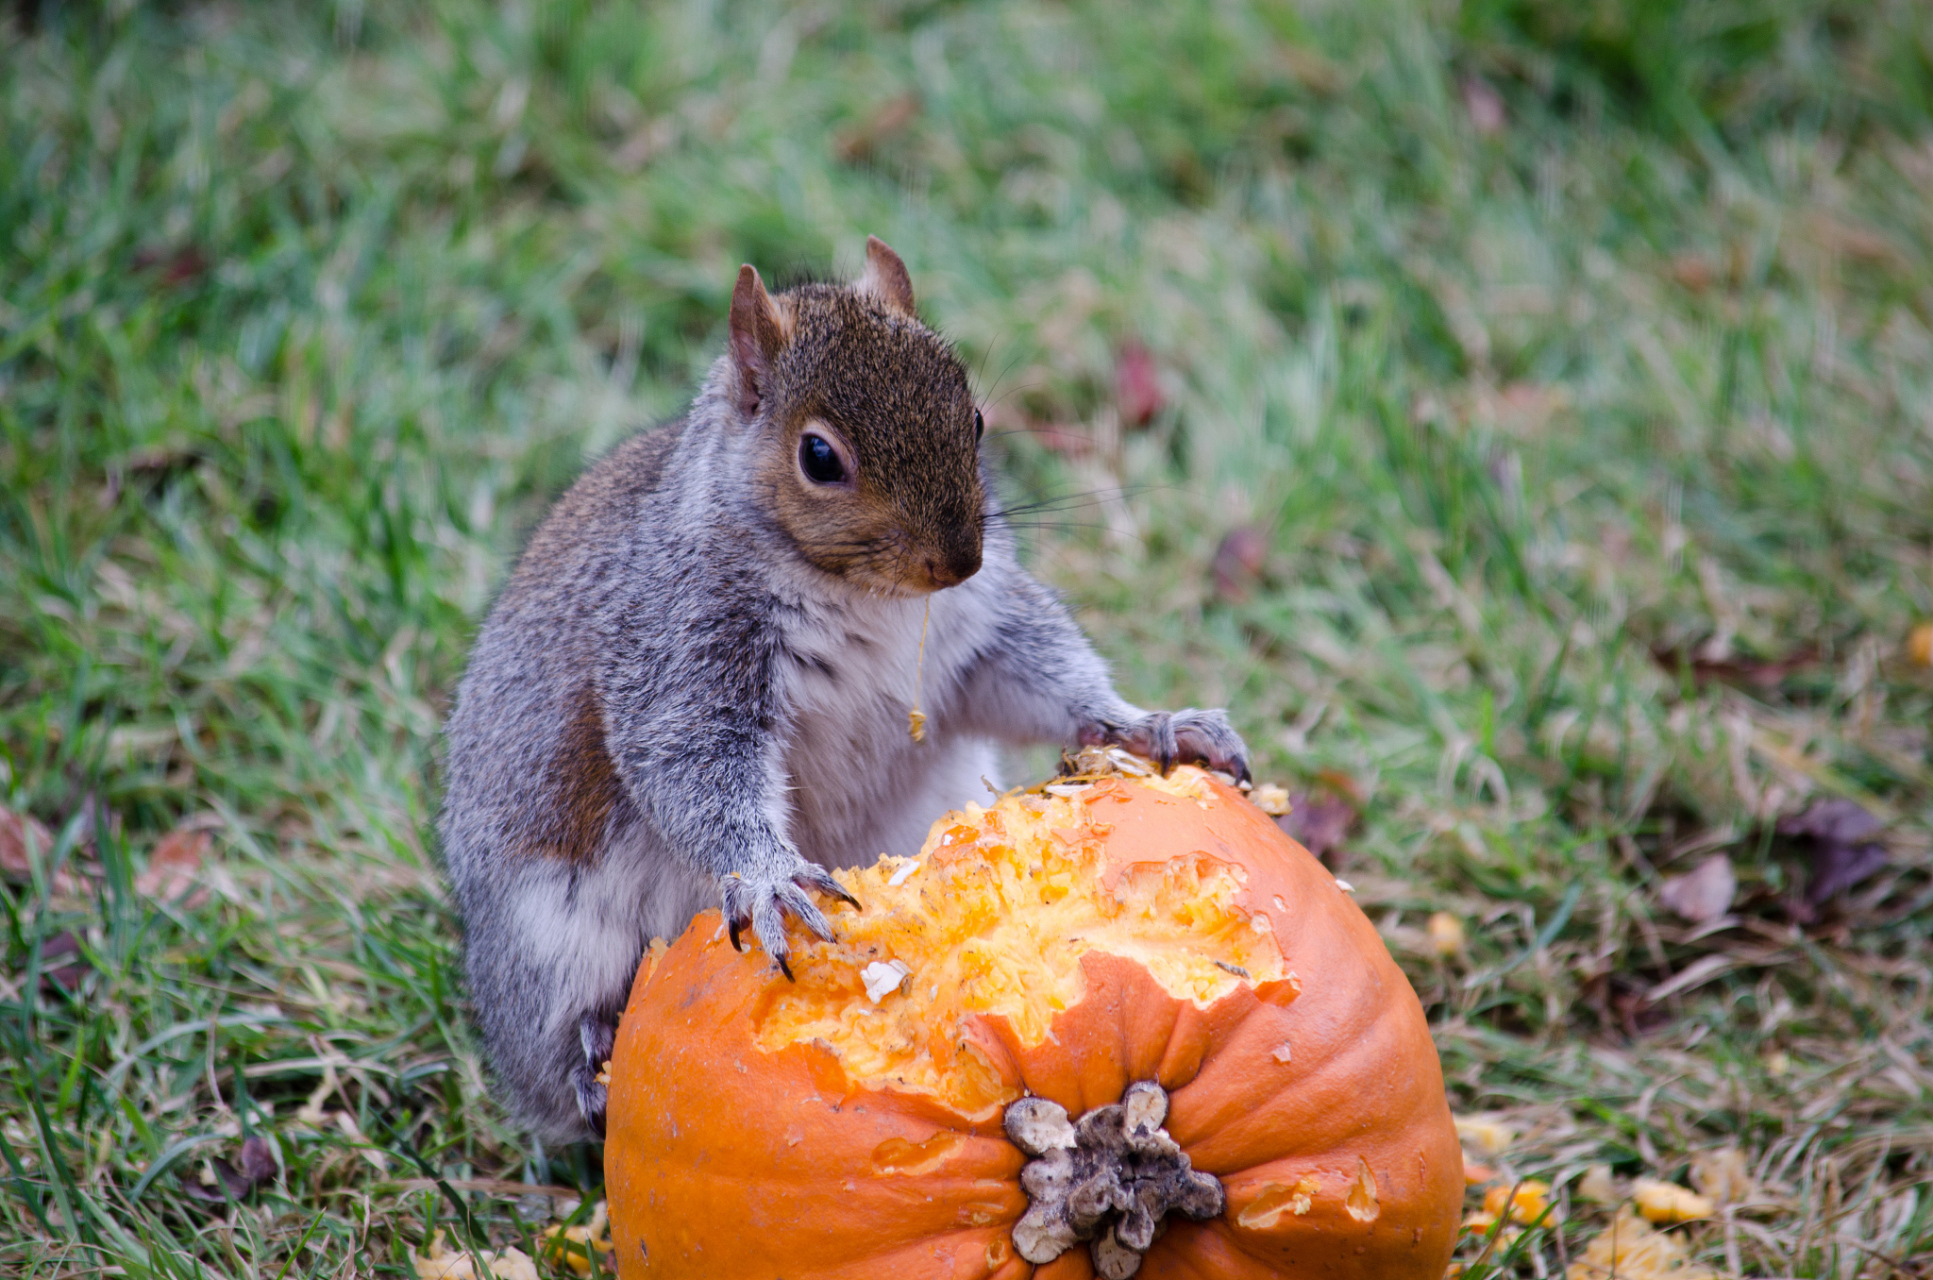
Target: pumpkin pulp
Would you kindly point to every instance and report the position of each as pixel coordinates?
(992, 918)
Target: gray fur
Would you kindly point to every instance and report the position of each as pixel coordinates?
(670, 703)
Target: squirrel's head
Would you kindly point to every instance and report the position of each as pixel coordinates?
(868, 439)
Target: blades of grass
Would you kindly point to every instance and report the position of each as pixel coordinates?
(66, 1190)
(27, 1189)
(169, 1154)
(302, 1240)
(1545, 936)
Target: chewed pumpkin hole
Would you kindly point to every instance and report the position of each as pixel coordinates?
(1004, 904)
(1361, 1200)
(897, 1155)
(1276, 1201)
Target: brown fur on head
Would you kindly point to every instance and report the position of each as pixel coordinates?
(893, 500)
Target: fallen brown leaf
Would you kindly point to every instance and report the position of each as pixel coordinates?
(1137, 388)
(1069, 442)
(257, 1166)
(1746, 672)
(173, 267)
(1838, 833)
(1238, 563)
(646, 142)
(1310, 69)
(1485, 105)
(257, 1159)
(1847, 239)
(1319, 822)
(1693, 272)
(1704, 893)
(16, 830)
(887, 120)
(220, 1175)
(174, 865)
(1342, 784)
(62, 962)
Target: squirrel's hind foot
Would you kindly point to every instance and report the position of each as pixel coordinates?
(590, 1079)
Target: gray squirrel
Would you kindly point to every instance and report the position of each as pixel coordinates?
(696, 683)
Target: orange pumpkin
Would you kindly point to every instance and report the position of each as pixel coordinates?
(1137, 975)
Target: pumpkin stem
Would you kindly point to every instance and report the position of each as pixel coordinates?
(1109, 1178)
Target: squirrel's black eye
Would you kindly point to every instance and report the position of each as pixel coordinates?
(979, 426)
(819, 460)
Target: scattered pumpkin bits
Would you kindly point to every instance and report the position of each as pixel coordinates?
(1057, 1041)
(1630, 1249)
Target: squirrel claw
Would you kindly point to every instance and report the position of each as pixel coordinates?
(762, 901)
(785, 969)
(1170, 737)
(817, 877)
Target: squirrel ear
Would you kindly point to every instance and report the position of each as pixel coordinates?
(885, 278)
(759, 331)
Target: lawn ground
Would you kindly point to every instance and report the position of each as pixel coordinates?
(1520, 415)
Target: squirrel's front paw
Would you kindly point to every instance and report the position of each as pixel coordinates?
(1203, 737)
(763, 899)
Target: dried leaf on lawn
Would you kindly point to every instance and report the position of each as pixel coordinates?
(1693, 271)
(1838, 833)
(1703, 894)
(1319, 822)
(16, 831)
(173, 267)
(1748, 673)
(1067, 441)
(1137, 389)
(63, 962)
(215, 1177)
(1238, 563)
(257, 1159)
(1485, 105)
(887, 121)
(174, 865)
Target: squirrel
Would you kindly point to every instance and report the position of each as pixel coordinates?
(696, 683)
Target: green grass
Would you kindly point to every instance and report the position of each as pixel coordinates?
(305, 312)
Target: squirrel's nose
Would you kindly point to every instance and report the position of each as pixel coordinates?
(954, 568)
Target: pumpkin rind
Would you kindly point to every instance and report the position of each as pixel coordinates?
(724, 1160)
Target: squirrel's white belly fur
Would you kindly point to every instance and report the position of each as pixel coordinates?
(859, 785)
